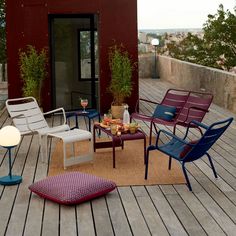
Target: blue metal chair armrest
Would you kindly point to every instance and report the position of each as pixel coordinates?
(171, 135)
(198, 124)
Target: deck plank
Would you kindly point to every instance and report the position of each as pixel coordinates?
(85, 219)
(133, 212)
(188, 220)
(149, 212)
(68, 220)
(215, 193)
(201, 214)
(216, 211)
(174, 226)
(50, 223)
(118, 217)
(101, 217)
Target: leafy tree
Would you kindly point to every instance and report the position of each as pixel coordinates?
(216, 49)
(191, 49)
(220, 36)
(3, 36)
(152, 35)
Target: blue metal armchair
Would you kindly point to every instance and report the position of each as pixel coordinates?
(185, 151)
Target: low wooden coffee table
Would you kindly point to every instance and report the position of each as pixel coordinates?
(117, 141)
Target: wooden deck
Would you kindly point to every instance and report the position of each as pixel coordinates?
(137, 210)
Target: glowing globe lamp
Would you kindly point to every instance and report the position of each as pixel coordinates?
(10, 138)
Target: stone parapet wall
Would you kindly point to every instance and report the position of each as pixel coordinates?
(146, 65)
(193, 77)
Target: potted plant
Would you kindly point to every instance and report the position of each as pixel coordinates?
(33, 71)
(121, 67)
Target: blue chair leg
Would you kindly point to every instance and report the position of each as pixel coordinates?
(146, 164)
(186, 177)
(212, 166)
(170, 159)
(150, 134)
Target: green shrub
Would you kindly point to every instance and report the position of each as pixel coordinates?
(121, 67)
(33, 70)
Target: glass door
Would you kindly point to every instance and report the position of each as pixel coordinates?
(74, 42)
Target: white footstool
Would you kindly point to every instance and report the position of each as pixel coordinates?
(72, 136)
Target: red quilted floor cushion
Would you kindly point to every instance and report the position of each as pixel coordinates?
(72, 188)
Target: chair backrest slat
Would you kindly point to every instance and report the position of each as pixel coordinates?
(27, 113)
(176, 98)
(22, 106)
(177, 105)
(197, 100)
(31, 119)
(211, 135)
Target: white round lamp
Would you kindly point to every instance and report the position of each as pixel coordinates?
(155, 42)
(9, 138)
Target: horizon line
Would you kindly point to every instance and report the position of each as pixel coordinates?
(169, 28)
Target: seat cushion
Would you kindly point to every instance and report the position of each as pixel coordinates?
(187, 148)
(72, 187)
(164, 112)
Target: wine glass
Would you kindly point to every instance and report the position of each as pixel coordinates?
(84, 103)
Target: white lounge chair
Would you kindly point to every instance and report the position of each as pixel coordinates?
(29, 119)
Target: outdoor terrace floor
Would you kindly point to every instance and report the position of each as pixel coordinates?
(138, 210)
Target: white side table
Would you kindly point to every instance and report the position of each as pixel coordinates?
(72, 136)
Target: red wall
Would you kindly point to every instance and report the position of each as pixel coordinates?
(27, 23)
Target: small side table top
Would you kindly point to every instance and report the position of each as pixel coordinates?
(90, 114)
(117, 141)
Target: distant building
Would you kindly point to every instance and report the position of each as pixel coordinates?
(142, 37)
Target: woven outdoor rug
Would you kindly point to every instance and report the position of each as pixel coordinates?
(130, 166)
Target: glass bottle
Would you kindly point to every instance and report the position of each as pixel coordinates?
(126, 116)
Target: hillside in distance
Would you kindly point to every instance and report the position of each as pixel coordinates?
(170, 31)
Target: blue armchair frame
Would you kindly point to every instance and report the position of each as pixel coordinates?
(185, 151)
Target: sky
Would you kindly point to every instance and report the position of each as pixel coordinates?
(168, 14)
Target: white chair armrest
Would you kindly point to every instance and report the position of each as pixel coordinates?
(57, 110)
(26, 119)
